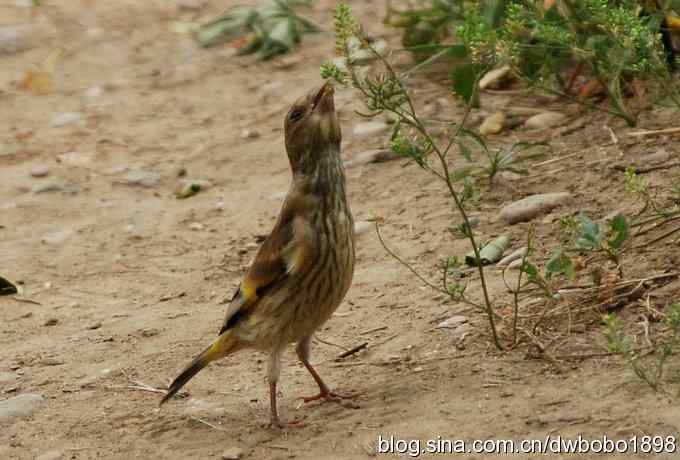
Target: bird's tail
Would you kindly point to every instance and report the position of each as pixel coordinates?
(225, 344)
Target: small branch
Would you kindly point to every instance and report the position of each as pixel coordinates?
(205, 422)
(404, 263)
(659, 238)
(372, 330)
(655, 132)
(353, 351)
(641, 170)
(326, 342)
(25, 300)
(556, 160)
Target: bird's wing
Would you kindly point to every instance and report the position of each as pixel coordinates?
(287, 250)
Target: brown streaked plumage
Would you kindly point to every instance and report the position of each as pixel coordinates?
(304, 268)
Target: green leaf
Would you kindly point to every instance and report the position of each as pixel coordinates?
(558, 263)
(461, 173)
(530, 269)
(589, 234)
(475, 137)
(493, 11)
(619, 231)
(464, 80)
(464, 150)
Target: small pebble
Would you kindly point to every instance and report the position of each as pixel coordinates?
(56, 237)
(531, 206)
(51, 362)
(232, 453)
(20, 406)
(196, 226)
(545, 120)
(47, 188)
(150, 332)
(94, 92)
(14, 38)
(40, 170)
(142, 178)
(452, 322)
(65, 118)
(494, 78)
(50, 455)
(51, 322)
(249, 134)
(493, 124)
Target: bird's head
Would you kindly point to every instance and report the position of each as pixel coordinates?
(311, 128)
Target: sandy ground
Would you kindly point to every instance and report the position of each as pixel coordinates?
(131, 282)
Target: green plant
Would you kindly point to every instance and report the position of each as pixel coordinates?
(650, 363)
(503, 158)
(272, 29)
(609, 41)
(588, 237)
(386, 91)
(549, 44)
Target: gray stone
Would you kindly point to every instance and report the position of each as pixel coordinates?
(493, 124)
(40, 170)
(20, 406)
(50, 455)
(515, 255)
(545, 120)
(56, 237)
(94, 92)
(232, 453)
(47, 188)
(453, 322)
(248, 133)
(493, 78)
(531, 206)
(14, 39)
(196, 226)
(65, 118)
(142, 178)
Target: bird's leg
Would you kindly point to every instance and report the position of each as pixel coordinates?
(273, 372)
(325, 393)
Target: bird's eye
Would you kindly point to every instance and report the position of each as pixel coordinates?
(297, 113)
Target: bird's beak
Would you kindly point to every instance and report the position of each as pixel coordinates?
(323, 101)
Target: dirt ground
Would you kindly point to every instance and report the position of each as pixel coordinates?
(129, 282)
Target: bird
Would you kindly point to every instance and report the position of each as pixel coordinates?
(303, 269)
